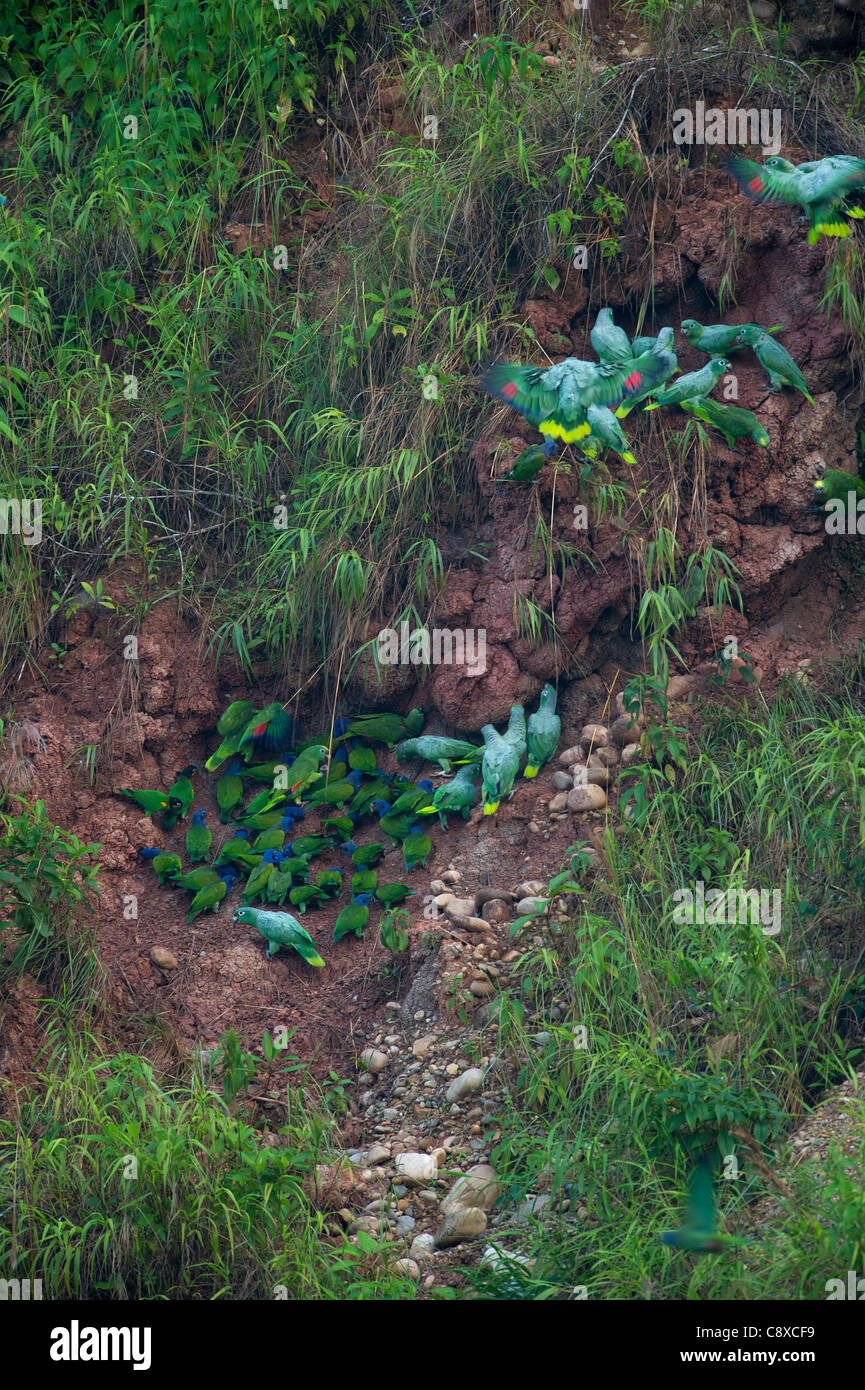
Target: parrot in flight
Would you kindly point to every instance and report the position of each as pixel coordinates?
(280, 929)
(557, 398)
(775, 360)
(698, 1231)
(824, 188)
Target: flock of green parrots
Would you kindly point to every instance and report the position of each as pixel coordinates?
(338, 776)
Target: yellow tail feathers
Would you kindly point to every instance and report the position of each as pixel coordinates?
(490, 808)
(531, 771)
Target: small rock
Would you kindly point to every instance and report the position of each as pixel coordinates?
(533, 828)
(624, 729)
(481, 989)
(423, 1247)
(452, 876)
(372, 1060)
(630, 752)
(495, 911)
(560, 801)
(479, 1187)
(467, 1224)
(165, 959)
(594, 736)
(438, 885)
(531, 905)
(572, 755)
(376, 1153)
(562, 781)
(408, 1268)
(460, 907)
(464, 1085)
(589, 798)
(470, 923)
(443, 899)
(765, 11)
(531, 888)
(416, 1168)
(422, 1046)
(680, 686)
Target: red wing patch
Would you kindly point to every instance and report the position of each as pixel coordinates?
(259, 730)
(509, 390)
(756, 184)
(633, 381)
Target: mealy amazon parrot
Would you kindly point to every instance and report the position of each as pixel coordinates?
(824, 188)
(612, 344)
(663, 349)
(606, 433)
(500, 765)
(733, 421)
(715, 339)
(363, 856)
(198, 839)
(208, 899)
(416, 848)
(165, 864)
(386, 728)
(555, 399)
(229, 792)
(698, 1231)
(389, 894)
(152, 803)
(454, 798)
(775, 360)
(543, 731)
(515, 733)
(693, 386)
(437, 749)
(280, 929)
(353, 918)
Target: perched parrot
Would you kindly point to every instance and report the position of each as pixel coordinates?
(775, 360)
(183, 791)
(543, 731)
(733, 421)
(353, 918)
(500, 765)
(699, 1229)
(305, 767)
(336, 793)
(152, 803)
(455, 797)
(281, 881)
(364, 881)
(715, 339)
(397, 827)
(238, 847)
(835, 485)
(664, 351)
(413, 798)
(555, 399)
(363, 856)
(208, 899)
(305, 895)
(389, 894)
(329, 882)
(343, 827)
(643, 344)
(274, 836)
(229, 792)
(416, 848)
(606, 433)
(165, 864)
(693, 386)
(280, 929)
(309, 846)
(437, 749)
(386, 728)
(257, 881)
(362, 759)
(612, 344)
(195, 879)
(266, 820)
(515, 733)
(198, 839)
(823, 187)
(528, 464)
(376, 790)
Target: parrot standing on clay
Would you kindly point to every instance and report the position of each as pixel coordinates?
(775, 360)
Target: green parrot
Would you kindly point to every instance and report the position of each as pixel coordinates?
(515, 733)
(165, 864)
(612, 344)
(416, 848)
(835, 485)
(280, 882)
(389, 894)
(775, 360)
(272, 729)
(229, 792)
(699, 1229)
(363, 856)
(543, 731)
(437, 749)
(386, 728)
(257, 881)
(305, 895)
(342, 827)
(823, 187)
(297, 777)
(310, 846)
(280, 929)
(397, 827)
(236, 718)
(362, 760)
(693, 385)
(271, 838)
(643, 344)
(377, 790)
(234, 851)
(183, 791)
(500, 765)
(733, 421)
(335, 793)
(306, 767)
(209, 898)
(195, 879)
(364, 881)
(715, 339)
(663, 348)
(456, 797)
(198, 839)
(555, 399)
(297, 865)
(329, 882)
(352, 918)
(264, 772)
(152, 803)
(412, 799)
(527, 465)
(606, 433)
